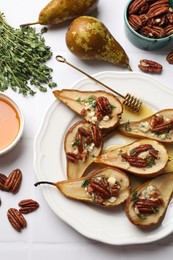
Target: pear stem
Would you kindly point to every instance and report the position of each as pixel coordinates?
(28, 24)
(129, 68)
(44, 182)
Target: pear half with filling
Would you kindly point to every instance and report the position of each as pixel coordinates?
(145, 158)
(83, 142)
(158, 126)
(98, 107)
(106, 187)
(147, 204)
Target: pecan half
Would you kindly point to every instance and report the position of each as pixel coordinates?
(97, 137)
(135, 21)
(135, 161)
(3, 179)
(147, 206)
(136, 5)
(150, 66)
(28, 206)
(157, 10)
(169, 29)
(141, 148)
(153, 31)
(13, 181)
(169, 57)
(16, 219)
(156, 120)
(163, 127)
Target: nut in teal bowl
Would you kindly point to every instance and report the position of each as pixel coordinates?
(140, 40)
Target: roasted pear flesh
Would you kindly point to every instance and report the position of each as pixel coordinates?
(145, 158)
(83, 142)
(98, 107)
(158, 126)
(106, 187)
(147, 204)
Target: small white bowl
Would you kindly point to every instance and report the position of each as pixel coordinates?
(21, 126)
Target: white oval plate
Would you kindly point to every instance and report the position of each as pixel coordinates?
(106, 225)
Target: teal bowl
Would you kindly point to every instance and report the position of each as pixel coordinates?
(141, 41)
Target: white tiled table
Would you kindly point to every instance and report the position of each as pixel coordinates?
(47, 236)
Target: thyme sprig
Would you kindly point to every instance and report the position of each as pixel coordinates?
(23, 54)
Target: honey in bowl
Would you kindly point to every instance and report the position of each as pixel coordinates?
(11, 123)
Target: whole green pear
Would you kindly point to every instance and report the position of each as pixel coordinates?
(57, 11)
(89, 39)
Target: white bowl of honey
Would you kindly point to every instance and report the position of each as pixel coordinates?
(11, 123)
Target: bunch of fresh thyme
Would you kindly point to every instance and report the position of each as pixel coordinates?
(23, 54)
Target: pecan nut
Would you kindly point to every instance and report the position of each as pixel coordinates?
(169, 29)
(150, 66)
(13, 181)
(156, 17)
(136, 5)
(135, 21)
(16, 219)
(28, 206)
(97, 137)
(161, 128)
(141, 148)
(146, 206)
(135, 161)
(169, 57)
(153, 31)
(3, 179)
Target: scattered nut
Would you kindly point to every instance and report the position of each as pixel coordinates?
(150, 66)
(28, 206)
(16, 219)
(3, 179)
(169, 57)
(13, 181)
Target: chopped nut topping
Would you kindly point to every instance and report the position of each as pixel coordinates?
(101, 189)
(147, 202)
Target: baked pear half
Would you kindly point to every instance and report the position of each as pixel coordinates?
(147, 204)
(158, 126)
(106, 187)
(98, 107)
(83, 142)
(145, 158)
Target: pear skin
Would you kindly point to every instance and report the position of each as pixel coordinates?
(89, 39)
(58, 11)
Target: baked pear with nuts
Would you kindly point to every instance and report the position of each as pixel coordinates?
(145, 158)
(147, 204)
(83, 142)
(98, 107)
(106, 187)
(158, 126)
